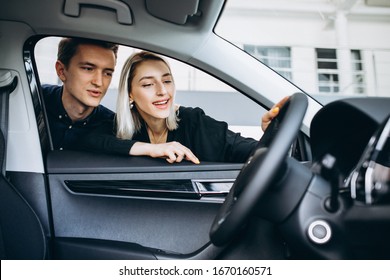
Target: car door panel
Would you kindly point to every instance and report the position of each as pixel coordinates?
(136, 200)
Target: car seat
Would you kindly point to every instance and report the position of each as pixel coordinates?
(21, 233)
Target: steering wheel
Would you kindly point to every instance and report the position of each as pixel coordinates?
(259, 171)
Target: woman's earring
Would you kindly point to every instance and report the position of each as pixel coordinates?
(131, 105)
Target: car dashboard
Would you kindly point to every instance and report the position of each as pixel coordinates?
(351, 160)
(343, 129)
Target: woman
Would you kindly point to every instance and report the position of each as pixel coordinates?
(149, 123)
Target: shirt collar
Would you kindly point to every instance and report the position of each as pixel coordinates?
(56, 108)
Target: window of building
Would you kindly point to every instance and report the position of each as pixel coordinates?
(327, 71)
(278, 58)
(359, 86)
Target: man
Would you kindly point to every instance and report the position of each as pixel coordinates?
(85, 68)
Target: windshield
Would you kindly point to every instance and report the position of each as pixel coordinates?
(331, 49)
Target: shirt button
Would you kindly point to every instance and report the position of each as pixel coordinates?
(70, 127)
(60, 116)
(84, 123)
(61, 149)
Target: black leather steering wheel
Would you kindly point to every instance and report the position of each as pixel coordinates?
(258, 173)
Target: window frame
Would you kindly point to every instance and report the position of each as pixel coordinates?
(328, 58)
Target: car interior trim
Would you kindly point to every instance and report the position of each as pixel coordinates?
(123, 12)
(185, 189)
(175, 11)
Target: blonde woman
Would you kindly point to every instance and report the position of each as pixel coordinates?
(148, 123)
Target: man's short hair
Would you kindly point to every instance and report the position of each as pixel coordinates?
(68, 47)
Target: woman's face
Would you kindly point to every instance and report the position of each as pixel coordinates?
(153, 90)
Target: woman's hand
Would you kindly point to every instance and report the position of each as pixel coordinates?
(272, 113)
(171, 151)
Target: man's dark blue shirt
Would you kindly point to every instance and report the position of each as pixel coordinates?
(66, 134)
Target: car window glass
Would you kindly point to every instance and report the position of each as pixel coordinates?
(194, 89)
(330, 49)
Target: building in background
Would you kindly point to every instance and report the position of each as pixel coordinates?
(330, 48)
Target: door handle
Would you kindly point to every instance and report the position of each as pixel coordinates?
(72, 8)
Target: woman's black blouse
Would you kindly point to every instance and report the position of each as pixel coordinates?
(207, 138)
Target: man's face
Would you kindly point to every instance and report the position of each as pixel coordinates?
(88, 75)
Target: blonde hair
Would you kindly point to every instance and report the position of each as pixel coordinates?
(128, 121)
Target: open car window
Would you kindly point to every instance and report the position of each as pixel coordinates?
(194, 88)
